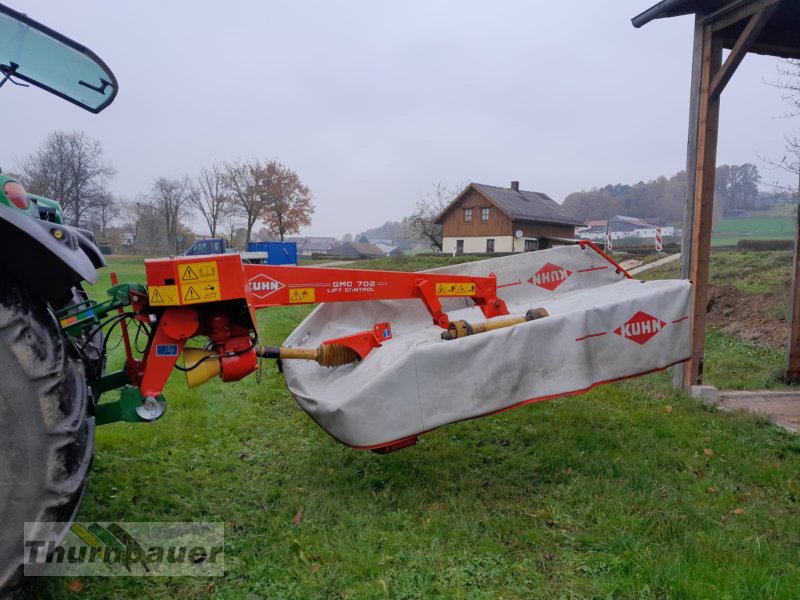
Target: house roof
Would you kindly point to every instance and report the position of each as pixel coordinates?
(303, 242)
(777, 38)
(362, 249)
(366, 249)
(317, 246)
(633, 221)
(520, 205)
(599, 223)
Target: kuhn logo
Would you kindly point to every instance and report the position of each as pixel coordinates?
(550, 276)
(640, 328)
(263, 286)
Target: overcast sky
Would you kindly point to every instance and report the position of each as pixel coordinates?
(372, 103)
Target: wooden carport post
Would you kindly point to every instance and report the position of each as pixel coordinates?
(709, 78)
(793, 353)
(701, 175)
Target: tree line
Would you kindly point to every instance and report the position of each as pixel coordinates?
(231, 196)
(736, 188)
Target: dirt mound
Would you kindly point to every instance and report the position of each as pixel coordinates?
(762, 318)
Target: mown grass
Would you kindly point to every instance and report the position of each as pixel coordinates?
(631, 491)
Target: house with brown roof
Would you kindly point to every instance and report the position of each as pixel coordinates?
(485, 219)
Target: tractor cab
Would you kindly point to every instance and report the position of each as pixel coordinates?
(34, 54)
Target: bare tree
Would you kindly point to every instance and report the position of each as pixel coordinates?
(287, 201)
(789, 83)
(421, 224)
(211, 199)
(106, 209)
(69, 168)
(241, 186)
(170, 197)
(141, 221)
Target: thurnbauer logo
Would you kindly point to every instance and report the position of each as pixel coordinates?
(550, 276)
(640, 328)
(263, 286)
(118, 551)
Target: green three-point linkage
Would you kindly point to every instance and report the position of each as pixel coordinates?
(79, 318)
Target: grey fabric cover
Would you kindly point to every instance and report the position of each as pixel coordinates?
(602, 327)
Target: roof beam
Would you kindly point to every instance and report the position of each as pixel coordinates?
(735, 12)
(751, 31)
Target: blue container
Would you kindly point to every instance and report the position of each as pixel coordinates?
(278, 253)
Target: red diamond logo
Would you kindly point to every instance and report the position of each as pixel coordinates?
(262, 286)
(640, 328)
(550, 276)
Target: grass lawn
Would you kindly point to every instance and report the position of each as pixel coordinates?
(729, 231)
(748, 270)
(631, 491)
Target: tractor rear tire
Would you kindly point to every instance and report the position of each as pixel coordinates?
(46, 431)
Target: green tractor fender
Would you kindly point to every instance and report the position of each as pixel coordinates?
(46, 258)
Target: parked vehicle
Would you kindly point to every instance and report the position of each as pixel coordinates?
(220, 246)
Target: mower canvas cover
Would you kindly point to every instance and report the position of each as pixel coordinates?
(602, 327)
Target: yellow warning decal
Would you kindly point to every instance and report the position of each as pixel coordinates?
(207, 291)
(198, 272)
(163, 295)
(455, 289)
(301, 295)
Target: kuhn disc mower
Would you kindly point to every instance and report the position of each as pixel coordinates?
(385, 357)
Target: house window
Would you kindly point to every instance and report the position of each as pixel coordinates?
(485, 213)
(531, 245)
(459, 246)
(490, 245)
(467, 215)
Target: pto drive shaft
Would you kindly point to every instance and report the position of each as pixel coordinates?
(327, 355)
(459, 329)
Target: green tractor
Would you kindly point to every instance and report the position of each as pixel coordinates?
(46, 406)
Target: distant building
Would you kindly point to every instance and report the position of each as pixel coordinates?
(308, 246)
(623, 227)
(356, 250)
(485, 219)
(388, 249)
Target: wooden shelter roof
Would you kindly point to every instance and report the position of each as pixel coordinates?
(779, 37)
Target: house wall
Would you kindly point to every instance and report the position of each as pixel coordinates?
(531, 230)
(477, 244)
(453, 224)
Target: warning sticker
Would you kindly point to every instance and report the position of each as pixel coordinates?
(163, 295)
(197, 272)
(200, 292)
(455, 289)
(301, 295)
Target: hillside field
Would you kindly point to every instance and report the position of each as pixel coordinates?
(729, 231)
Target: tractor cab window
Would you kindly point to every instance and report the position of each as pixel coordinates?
(35, 54)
